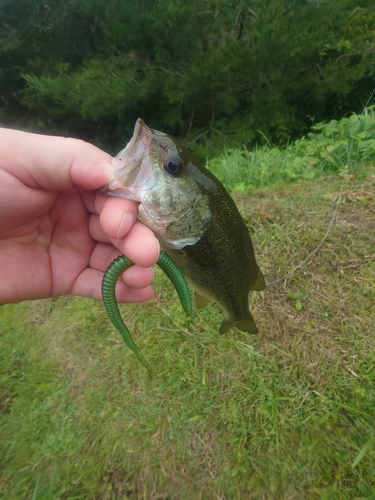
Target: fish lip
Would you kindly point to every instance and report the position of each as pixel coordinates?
(141, 132)
(134, 171)
(133, 140)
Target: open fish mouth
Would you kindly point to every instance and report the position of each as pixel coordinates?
(135, 170)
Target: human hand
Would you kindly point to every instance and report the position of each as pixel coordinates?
(57, 233)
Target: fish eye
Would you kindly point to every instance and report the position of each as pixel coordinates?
(173, 165)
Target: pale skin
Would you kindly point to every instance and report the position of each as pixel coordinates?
(58, 234)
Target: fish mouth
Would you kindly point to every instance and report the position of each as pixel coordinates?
(135, 168)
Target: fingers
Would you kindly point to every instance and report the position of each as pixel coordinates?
(117, 230)
(117, 216)
(118, 224)
(138, 277)
(140, 245)
(133, 286)
(88, 284)
(134, 276)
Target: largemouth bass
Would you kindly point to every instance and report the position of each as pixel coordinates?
(195, 220)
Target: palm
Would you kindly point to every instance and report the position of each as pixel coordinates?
(47, 251)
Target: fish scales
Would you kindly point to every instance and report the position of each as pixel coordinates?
(221, 266)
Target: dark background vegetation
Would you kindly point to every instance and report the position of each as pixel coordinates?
(214, 72)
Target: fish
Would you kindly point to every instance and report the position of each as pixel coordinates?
(195, 220)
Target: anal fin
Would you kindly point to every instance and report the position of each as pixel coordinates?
(245, 325)
(201, 301)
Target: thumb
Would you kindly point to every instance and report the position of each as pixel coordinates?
(53, 163)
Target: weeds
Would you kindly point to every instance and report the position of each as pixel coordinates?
(332, 147)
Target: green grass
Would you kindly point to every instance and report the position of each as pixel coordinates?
(331, 147)
(288, 414)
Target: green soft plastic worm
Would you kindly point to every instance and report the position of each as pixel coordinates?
(110, 278)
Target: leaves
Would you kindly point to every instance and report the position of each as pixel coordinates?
(336, 146)
(210, 69)
(297, 296)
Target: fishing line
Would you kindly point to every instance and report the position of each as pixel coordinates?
(337, 204)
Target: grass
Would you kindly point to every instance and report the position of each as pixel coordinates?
(331, 147)
(288, 414)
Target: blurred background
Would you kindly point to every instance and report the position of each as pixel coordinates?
(216, 73)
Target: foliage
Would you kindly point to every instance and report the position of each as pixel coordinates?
(221, 69)
(288, 414)
(331, 147)
(38, 37)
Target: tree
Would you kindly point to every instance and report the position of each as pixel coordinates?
(223, 68)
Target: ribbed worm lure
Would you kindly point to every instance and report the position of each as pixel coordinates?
(110, 278)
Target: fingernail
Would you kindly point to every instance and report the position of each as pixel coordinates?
(126, 223)
(116, 162)
(109, 169)
(158, 247)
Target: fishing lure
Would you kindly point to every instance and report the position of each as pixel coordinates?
(110, 278)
